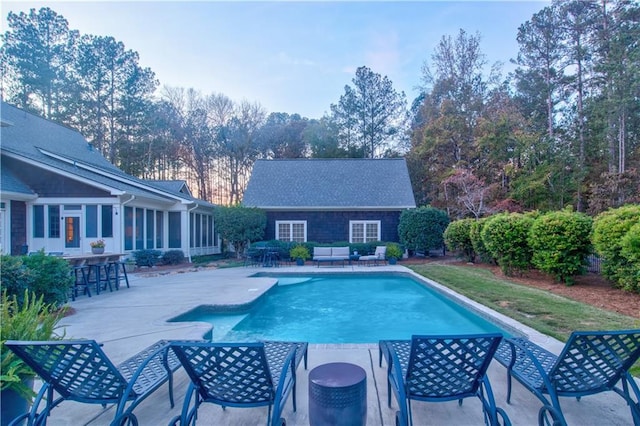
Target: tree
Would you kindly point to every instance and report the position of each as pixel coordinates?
(240, 226)
(36, 53)
(282, 136)
(369, 115)
(422, 229)
(470, 192)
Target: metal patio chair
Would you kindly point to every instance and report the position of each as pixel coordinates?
(590, 362)
(239, 375)
(441, 368)
(79, 370)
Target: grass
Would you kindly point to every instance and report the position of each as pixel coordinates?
(548, 313)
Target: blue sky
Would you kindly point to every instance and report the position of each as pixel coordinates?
(293, 57)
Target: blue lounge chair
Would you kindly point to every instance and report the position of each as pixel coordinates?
(239, 375)
(79, 370)
(441, 368)
(590, 362)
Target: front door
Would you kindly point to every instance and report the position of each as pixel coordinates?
(72, 233)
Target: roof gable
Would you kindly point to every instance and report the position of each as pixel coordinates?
(330, 184)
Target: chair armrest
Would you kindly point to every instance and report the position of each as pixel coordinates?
(286, 382)
(530, 363)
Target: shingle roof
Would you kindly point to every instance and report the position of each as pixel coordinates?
(330, 184)
(34, 139)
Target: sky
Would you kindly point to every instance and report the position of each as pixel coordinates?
(293, 57)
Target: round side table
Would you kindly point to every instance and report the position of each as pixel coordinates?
(337, 395)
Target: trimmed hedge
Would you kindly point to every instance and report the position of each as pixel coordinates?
(506, 238)
(146, 257)
(457, 236)
(610, 229)
(172, 257)
(422, 229)
(561, 242)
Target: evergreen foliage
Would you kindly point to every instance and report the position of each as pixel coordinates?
(610, 229)
(506, 238)
(422, 229)
(561, 243)
(240, 225)
(457, 236)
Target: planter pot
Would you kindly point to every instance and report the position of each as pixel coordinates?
(13, 405)
(300, 262)
(97, 250)
(393, 261)
(129, 267)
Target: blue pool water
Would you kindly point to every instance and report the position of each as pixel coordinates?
(344, 309)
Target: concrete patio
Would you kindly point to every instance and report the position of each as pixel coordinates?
(128, 320)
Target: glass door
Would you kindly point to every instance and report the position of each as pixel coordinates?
(72, 233)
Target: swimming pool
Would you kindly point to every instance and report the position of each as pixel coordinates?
(344, 308)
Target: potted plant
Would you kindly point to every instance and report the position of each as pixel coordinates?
(393, 253)
(32, 319)
(300, 253)
(97, 247)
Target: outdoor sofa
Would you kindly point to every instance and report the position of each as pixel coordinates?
(330, 254)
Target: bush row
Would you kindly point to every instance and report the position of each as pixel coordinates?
(557, 243)
(153, 257)
(361, 248)
(48, 277)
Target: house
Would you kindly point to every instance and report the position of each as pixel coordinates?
(331, 200)
(59, 194)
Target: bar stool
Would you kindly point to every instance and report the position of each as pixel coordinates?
(80, 273)
(100, 275)
(115, 266)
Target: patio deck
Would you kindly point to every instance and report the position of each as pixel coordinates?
(128, 320)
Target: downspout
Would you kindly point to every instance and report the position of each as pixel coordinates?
(133, 197)
(188, 229)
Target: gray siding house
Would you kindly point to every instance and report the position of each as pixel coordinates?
(58, 194)
(331, 200)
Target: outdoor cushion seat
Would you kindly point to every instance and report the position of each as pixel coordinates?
(590, 362)
(379, 255)
(441, 368)
(330, 254)
(239, 375)
(79, 370)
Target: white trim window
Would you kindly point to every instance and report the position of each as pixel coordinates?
(291, 230)
(364, 231)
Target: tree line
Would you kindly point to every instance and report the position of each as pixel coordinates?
(561, 129)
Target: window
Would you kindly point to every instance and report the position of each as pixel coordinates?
(91, 222)
(128, 228)
(364, 231)
(54, 221)
(150, 228)
(175, 234)
(38, 221)
(159, 229)
(294, 230)
(107, 221)
(139, 228)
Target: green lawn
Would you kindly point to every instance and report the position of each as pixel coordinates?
(548, 313)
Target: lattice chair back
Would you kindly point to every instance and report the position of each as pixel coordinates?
(593, 361)
(443, 368)
(78, 370)
(228, 374)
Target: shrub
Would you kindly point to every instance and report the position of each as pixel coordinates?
(422, 229)
(299, 252)
(561, 243)
(51, 277)
(173, 257)
(505, 236)
(146, 257)
(457, 236)
(15, 277)
(238, 225)
(475, 235)
(393, 251)
(630, 250)
(609, 230)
